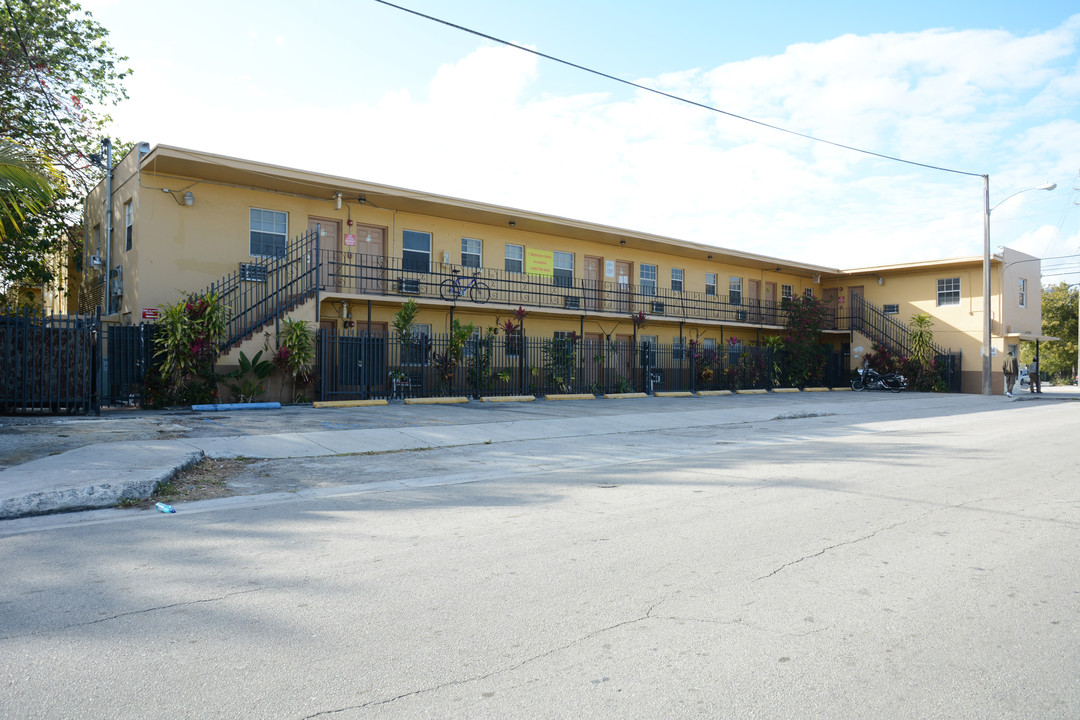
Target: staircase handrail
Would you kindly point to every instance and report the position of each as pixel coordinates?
(265, 289)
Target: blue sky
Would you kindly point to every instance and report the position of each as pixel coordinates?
(367, 91)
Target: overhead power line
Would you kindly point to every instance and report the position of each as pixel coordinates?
(671, 96)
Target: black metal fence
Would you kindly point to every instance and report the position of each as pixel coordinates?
(355, 365)
(129, 355)
(49, 363)
(72, 363)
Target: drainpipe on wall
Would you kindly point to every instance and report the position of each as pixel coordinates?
(108, 224)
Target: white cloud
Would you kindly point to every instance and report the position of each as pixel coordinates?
(978, 101)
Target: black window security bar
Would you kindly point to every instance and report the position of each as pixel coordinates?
(362, 274)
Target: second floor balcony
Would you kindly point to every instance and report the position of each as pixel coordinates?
(357, 274)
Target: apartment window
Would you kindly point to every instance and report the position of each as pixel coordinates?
(419, 344)
(735, 290)
(1023, 292)
(678, 348)
(676, 279)
(708, 349)
(710, 284)
(891, 309)
(129, 222)
(648, 279)
(564, 269)
(948, 291)
(734, 351)
(416, 251)
(515, 258)
(787, 292)
(470, 252)
(808, 293)
(269, 232)
(648, 350)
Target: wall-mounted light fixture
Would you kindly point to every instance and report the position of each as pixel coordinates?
(709, 257)
(622, 242)
(817, 279)
(361, 199)
(777, 269)
(187, 199)
(880, 280)
(513, 224)
(337, 201)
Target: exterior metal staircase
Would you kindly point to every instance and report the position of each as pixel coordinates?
(262, 291)
(871, 321)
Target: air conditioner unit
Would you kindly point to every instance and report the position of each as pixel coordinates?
(572, 302)
(96, 261)
(658, 307)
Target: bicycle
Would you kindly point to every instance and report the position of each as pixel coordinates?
(454, 287)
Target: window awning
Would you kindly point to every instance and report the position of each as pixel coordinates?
(1030, 338)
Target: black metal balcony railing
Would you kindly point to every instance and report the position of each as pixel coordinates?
(361, 274)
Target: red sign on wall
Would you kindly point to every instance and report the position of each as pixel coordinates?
(150, 314)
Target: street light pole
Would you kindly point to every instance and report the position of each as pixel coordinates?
(987, 348)
(987, 376)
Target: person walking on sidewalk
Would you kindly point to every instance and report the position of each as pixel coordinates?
(1011, 369)
(1033, 376)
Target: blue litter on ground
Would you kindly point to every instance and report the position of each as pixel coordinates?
(217, 407)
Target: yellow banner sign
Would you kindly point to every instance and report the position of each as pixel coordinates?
(539, 262)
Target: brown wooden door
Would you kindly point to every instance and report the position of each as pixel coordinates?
(330, 233)
(593, 358)
(368, 258)
(752, 299)
(623, 270)
(593, 282)
(828, 299)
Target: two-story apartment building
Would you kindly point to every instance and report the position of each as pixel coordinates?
(181, 220)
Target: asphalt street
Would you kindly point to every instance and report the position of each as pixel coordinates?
(913, 559)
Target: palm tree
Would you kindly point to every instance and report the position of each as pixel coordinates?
(27, 184)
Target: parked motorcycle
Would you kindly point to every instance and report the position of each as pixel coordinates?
(870, 379)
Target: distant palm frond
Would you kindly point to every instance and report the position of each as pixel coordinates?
(27, 182)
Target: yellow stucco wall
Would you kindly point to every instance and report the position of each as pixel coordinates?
(177, 248)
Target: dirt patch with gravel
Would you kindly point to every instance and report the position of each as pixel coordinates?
(205, 480)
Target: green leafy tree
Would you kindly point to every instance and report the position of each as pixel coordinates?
(58, 74)
(1059, 307)
(805, 358)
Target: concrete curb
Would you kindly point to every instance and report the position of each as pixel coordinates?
(132, 473)
(571, 396)
(507, 398)
(436, 401)
(624, 396)
(348, 403)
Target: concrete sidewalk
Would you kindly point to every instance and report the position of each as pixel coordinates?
(102, 474)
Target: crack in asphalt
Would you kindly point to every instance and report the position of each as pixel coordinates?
(824, 550)
(144, 611)
(376, 703)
